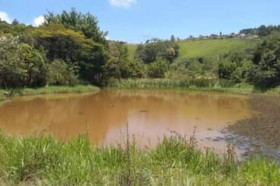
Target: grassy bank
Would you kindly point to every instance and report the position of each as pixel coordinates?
(204, 48)
(194, 85)
(175, 161)
(4, 94)
(212, 47)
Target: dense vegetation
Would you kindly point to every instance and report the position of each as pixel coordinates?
(224, 63)
(69, 49)
(175, 161)
(4, 94)
(262, 30)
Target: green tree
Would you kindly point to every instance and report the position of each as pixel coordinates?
(226, 68)
(192, 68)
(60, 42)
(158, 68)
(235, 65)
(12, 69)
(266, 70)
(85, 23)
(60, 73)
(156, 48)
(133, 69)
(15, 22)
(118, 65)
(15, 28)
(73, 48)
(35, 66)
(172, 38)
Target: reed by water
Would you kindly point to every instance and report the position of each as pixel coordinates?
(4, 94)
(194, 84)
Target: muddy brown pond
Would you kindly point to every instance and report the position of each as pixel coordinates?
(106, 116)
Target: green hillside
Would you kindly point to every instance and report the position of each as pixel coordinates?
(205, 48)
(208, 48)
(131, 50)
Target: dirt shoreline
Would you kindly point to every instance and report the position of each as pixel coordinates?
(259, 135)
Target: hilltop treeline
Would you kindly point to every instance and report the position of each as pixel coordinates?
(70, 48)
(261, 31)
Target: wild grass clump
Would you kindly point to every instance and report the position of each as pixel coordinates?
(2, 95)
(52, 162)
(196, 85)
(175, 161)
(47, 90)
(199, 84)
(274, 91)
(60, 89)
(162, 83)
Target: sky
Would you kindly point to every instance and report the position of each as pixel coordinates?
(135, 21)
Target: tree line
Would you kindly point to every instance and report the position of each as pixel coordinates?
(258, 65)
(261, 30)
(69, 48)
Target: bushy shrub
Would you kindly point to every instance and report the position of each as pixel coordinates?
(156, 48)
(133, 69)
(21, 64)
(191, 68)
(35, 65)
(158, 68)
(118, 65)
(60, 73)
(13, 72)
(235, 66)
(265, 72)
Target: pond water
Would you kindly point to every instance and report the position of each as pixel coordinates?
(108, 115)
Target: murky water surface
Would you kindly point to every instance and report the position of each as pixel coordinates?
(106, 116)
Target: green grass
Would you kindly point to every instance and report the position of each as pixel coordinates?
(47, 90)
(175, 161)
(131, 50)
(191, 85)
(205, 48)
(212, 48)
(273, 91)
(202, 85)
(2, 95)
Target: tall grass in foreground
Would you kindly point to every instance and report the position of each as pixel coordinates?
(175, 161)
(47, 90)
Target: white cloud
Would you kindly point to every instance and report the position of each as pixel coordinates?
(4, 16)
(107, 37)
(122, 3)
(38, 21)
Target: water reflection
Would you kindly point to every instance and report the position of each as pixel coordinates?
(104, 116)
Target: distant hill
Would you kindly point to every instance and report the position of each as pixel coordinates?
(131, 50)
(204, 48)
(211, 48)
